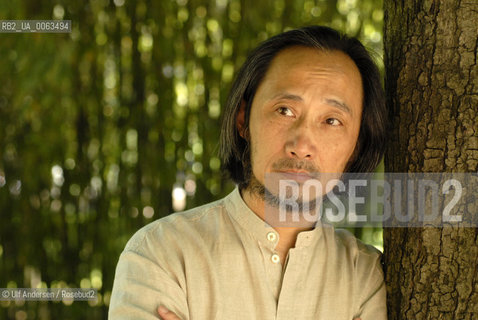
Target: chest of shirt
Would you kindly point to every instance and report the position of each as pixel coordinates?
(238, 278)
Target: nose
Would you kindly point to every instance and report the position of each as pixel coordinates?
(300, 144)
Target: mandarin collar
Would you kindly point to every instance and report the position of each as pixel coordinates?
(261, 230)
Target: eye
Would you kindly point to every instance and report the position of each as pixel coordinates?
(333, 122)
(285, 111)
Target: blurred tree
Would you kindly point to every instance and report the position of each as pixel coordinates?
(431, 83)
(116, 124)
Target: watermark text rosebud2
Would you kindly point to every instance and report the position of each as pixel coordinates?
(386, 199)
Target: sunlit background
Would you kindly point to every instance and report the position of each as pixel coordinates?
(116, 124)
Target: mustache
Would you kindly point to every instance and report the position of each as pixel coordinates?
(292, 164)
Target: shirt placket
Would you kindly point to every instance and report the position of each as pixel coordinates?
(292, 293)
(272, 262)
(292, 284)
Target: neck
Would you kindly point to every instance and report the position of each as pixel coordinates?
(287, 233)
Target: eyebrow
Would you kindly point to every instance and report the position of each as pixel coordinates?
(330, 101)
(339, 104)
(288, 96)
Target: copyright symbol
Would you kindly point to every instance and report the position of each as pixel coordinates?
(5, 294)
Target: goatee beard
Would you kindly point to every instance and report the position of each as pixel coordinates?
(258, 190)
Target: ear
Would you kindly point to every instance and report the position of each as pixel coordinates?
(241, 119)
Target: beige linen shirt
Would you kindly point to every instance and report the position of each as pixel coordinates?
(218, 262)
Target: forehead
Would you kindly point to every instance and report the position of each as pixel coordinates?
(311, 72)
(330, 62)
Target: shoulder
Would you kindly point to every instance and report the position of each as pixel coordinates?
(177, 228)
(365, 258)
(347, 239)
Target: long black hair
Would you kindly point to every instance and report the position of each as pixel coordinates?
(234, 150)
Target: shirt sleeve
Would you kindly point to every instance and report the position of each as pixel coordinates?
(141, 284)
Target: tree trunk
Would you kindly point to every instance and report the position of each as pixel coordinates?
(432, 91)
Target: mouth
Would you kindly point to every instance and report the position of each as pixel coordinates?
(299, 176)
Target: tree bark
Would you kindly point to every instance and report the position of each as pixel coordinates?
(432, 92)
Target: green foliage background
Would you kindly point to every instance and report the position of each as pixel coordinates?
(98, 126)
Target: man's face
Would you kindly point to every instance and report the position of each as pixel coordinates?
(305, 116)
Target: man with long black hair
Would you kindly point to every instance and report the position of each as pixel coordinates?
(306, 102)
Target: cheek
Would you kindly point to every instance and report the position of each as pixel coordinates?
(265, 146)
(336, 153)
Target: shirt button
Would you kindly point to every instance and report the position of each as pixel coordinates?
(275, 258)
(271, 236)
